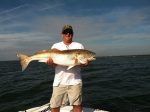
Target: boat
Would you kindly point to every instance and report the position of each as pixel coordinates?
(46, 108)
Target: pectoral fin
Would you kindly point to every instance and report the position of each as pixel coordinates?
(69, 67)
(83, 60)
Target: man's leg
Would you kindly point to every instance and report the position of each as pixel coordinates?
(75, 97)
(77, 108)
(58, 98)
(55, 109)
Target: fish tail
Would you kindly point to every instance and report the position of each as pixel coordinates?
(24, 60)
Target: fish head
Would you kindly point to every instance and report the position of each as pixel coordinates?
(90, 56)
(84, 56)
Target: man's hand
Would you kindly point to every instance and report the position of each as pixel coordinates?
(50, 62)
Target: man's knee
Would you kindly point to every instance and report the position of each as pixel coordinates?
(57, 109)
(77, 108)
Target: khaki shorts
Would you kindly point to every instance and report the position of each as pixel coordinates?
(64, 94)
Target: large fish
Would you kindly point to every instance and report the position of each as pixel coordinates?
(68, 58)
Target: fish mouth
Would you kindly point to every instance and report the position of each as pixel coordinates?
(92, 58)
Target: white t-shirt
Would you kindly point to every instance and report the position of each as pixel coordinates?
(62, 75)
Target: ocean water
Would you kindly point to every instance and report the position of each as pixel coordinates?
(115, 84)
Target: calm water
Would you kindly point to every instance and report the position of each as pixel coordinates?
(116, 84)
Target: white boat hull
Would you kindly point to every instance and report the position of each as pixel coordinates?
(45, 108)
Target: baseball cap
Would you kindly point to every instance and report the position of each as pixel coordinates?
(67, 29)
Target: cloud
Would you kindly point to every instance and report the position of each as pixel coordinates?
(13, 9)
(33, 27)
(23, 40)
(27, 43)
(121, 21)
(104, 33)
(48, 6)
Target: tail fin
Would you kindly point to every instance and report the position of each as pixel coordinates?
(24, 61)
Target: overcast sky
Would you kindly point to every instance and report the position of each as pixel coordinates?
(107, 27)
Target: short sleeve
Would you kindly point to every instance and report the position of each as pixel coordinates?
(82, 47)
(53, 46)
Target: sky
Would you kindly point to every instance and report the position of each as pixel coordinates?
(106, 27)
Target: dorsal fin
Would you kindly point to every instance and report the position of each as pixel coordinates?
(55, 50)
(43, 51)
(48, 50)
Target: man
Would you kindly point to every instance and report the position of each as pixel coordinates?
(67, 84)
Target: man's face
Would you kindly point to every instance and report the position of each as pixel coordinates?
(67, 36)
